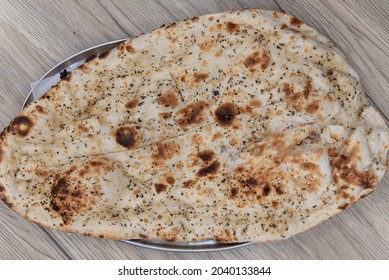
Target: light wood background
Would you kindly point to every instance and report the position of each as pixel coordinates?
(36, 35)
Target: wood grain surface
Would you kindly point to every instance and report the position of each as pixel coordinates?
(36, 35)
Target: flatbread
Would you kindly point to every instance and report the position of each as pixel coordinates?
(240, 126)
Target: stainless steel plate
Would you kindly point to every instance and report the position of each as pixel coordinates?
(51, 78)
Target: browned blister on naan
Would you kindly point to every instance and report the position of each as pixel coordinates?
(240, 126)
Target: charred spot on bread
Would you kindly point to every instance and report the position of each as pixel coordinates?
(266, 190)
(104, 54)
(126, 137)
(307, 89)
(283, 26)
(231, 27)
(226, 113)
(295, 21)
(313, 107)
(170, 180)
(211, 169)
(60, 188)
(234, 192)
(40, 109)
(191, 114)
(131, 104)
(4, 198)
(200, 77)
(143, 236)
(278, 190)
(165, 115)
(257, 59)
(343, 206)
(188, 184)
(130, 49)
(252, 181)
(206, 155)
(160, 187)
(22, 125)
(60, 201)
(167, 99)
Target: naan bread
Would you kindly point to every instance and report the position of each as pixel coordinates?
(240, 126)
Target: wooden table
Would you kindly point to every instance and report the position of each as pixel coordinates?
(36, 35)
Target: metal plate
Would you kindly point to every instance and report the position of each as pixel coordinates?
(51, 78)
(195, 246)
